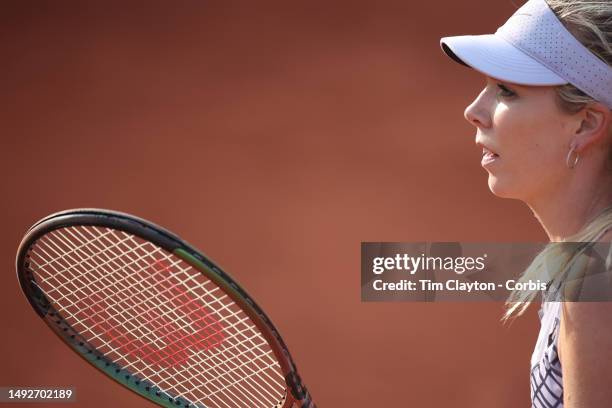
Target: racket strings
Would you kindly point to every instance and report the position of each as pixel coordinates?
(152, 312)
(233, 314)
(244, 374)
(95, 305)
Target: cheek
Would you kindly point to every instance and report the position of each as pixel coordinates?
(531, 151)
(528, 138)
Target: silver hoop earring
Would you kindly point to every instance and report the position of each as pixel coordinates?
(571, 164)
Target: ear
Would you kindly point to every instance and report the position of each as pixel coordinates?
(594, 126)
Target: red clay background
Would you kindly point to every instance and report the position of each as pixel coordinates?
(274, 136)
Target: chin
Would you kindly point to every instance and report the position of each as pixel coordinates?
(502, 188)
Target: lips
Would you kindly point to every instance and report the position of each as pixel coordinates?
(486, 150)
(489, 157)
(488, 153)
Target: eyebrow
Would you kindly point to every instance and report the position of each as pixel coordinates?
(510, 85)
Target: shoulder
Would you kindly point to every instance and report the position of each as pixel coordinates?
(587, 321)
(585, 343)
(586, 332)
(585, 352)
(592, 314)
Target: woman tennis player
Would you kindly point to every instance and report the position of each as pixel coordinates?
(544, 123)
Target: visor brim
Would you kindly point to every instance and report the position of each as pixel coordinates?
(493, 56)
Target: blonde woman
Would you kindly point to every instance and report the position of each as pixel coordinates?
(544, 123)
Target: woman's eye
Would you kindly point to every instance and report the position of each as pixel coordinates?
(505, 92)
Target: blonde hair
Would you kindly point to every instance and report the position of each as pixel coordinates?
(590, 22)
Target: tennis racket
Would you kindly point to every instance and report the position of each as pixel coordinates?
(154, 314)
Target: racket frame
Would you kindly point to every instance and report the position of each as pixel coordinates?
(297, 392)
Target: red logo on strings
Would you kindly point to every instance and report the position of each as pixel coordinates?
(151, 317)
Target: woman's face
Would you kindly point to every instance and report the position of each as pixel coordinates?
(526, 138)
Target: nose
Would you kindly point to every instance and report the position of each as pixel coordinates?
(477, 113)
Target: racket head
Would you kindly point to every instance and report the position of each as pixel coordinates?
(153, 313)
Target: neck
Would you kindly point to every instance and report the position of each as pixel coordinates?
(566, 210)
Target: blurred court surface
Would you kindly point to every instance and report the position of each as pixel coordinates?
(275, 137)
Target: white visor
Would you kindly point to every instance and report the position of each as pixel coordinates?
(534, 48)
(497, 58)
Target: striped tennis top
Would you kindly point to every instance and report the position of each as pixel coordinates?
(546, 378)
